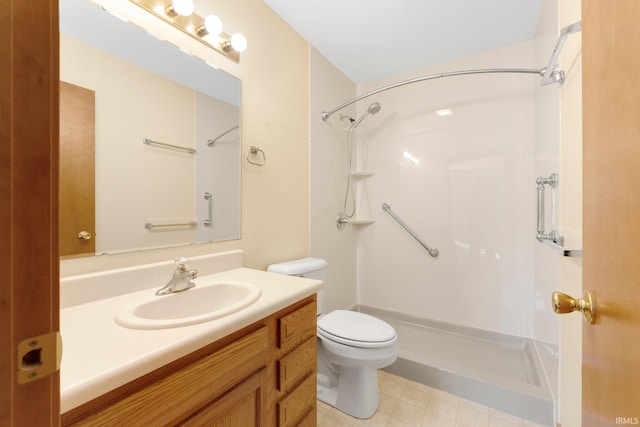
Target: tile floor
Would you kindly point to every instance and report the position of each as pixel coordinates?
(405, 403)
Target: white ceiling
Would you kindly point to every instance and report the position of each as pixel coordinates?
(370, 40)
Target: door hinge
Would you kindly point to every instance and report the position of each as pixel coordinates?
(39, 356)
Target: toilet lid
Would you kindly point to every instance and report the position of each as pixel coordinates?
(356, 329)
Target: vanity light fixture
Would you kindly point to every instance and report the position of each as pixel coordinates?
(179, 7)
(238, 42)
(212, 26)
(208, 30)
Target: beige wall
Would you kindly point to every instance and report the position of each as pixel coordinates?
(329, 165)
(275, 117)
(570, 404)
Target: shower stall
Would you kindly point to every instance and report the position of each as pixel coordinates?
(457, 159)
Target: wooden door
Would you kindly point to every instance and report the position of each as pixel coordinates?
(28, 202)
(611, 204)
(77, 174)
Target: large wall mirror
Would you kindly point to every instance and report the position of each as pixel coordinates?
(150, 139)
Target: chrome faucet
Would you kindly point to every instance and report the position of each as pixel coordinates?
(181, 280)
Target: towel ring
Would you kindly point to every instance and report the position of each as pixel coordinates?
(255, 151)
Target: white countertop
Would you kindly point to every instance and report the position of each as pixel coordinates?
(99, 355)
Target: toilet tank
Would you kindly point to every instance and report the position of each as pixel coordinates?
(311, 268)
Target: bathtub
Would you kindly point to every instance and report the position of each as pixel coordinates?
(501, 371)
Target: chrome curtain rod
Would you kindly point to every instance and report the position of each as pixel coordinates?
(550, 74)
(210, 142)
(326, 114)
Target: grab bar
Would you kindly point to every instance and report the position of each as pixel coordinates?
(432, 251)
(553, 239)
(148, 141)
(541, 235)
(209, 198)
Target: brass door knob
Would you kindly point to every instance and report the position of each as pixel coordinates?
(84, 235)
(563, 303)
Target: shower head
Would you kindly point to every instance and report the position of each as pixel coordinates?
(372, 109)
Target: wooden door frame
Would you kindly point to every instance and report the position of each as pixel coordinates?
(29, 262)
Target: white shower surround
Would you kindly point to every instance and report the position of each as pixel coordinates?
(469, 196)
(472, 196)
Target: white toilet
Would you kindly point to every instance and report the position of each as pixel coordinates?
(352, 346)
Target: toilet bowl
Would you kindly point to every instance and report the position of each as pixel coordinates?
(351, 348)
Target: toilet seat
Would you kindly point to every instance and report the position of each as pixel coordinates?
(356, 329)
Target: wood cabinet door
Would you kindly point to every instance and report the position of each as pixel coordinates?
(243, 406)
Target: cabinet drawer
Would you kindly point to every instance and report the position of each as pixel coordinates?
(297, 364)
(169, 400)
(297, 326)
(297, 405)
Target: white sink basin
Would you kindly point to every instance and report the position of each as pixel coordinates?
(196, 305)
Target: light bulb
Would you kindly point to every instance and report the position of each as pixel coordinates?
(182, 7)
(238, 42)
(213, 25)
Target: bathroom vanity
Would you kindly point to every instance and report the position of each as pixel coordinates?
(253, 367)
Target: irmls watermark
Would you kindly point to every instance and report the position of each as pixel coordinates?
(628, 420)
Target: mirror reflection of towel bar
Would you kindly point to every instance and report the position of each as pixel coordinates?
(148, 141)
(150, 226)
